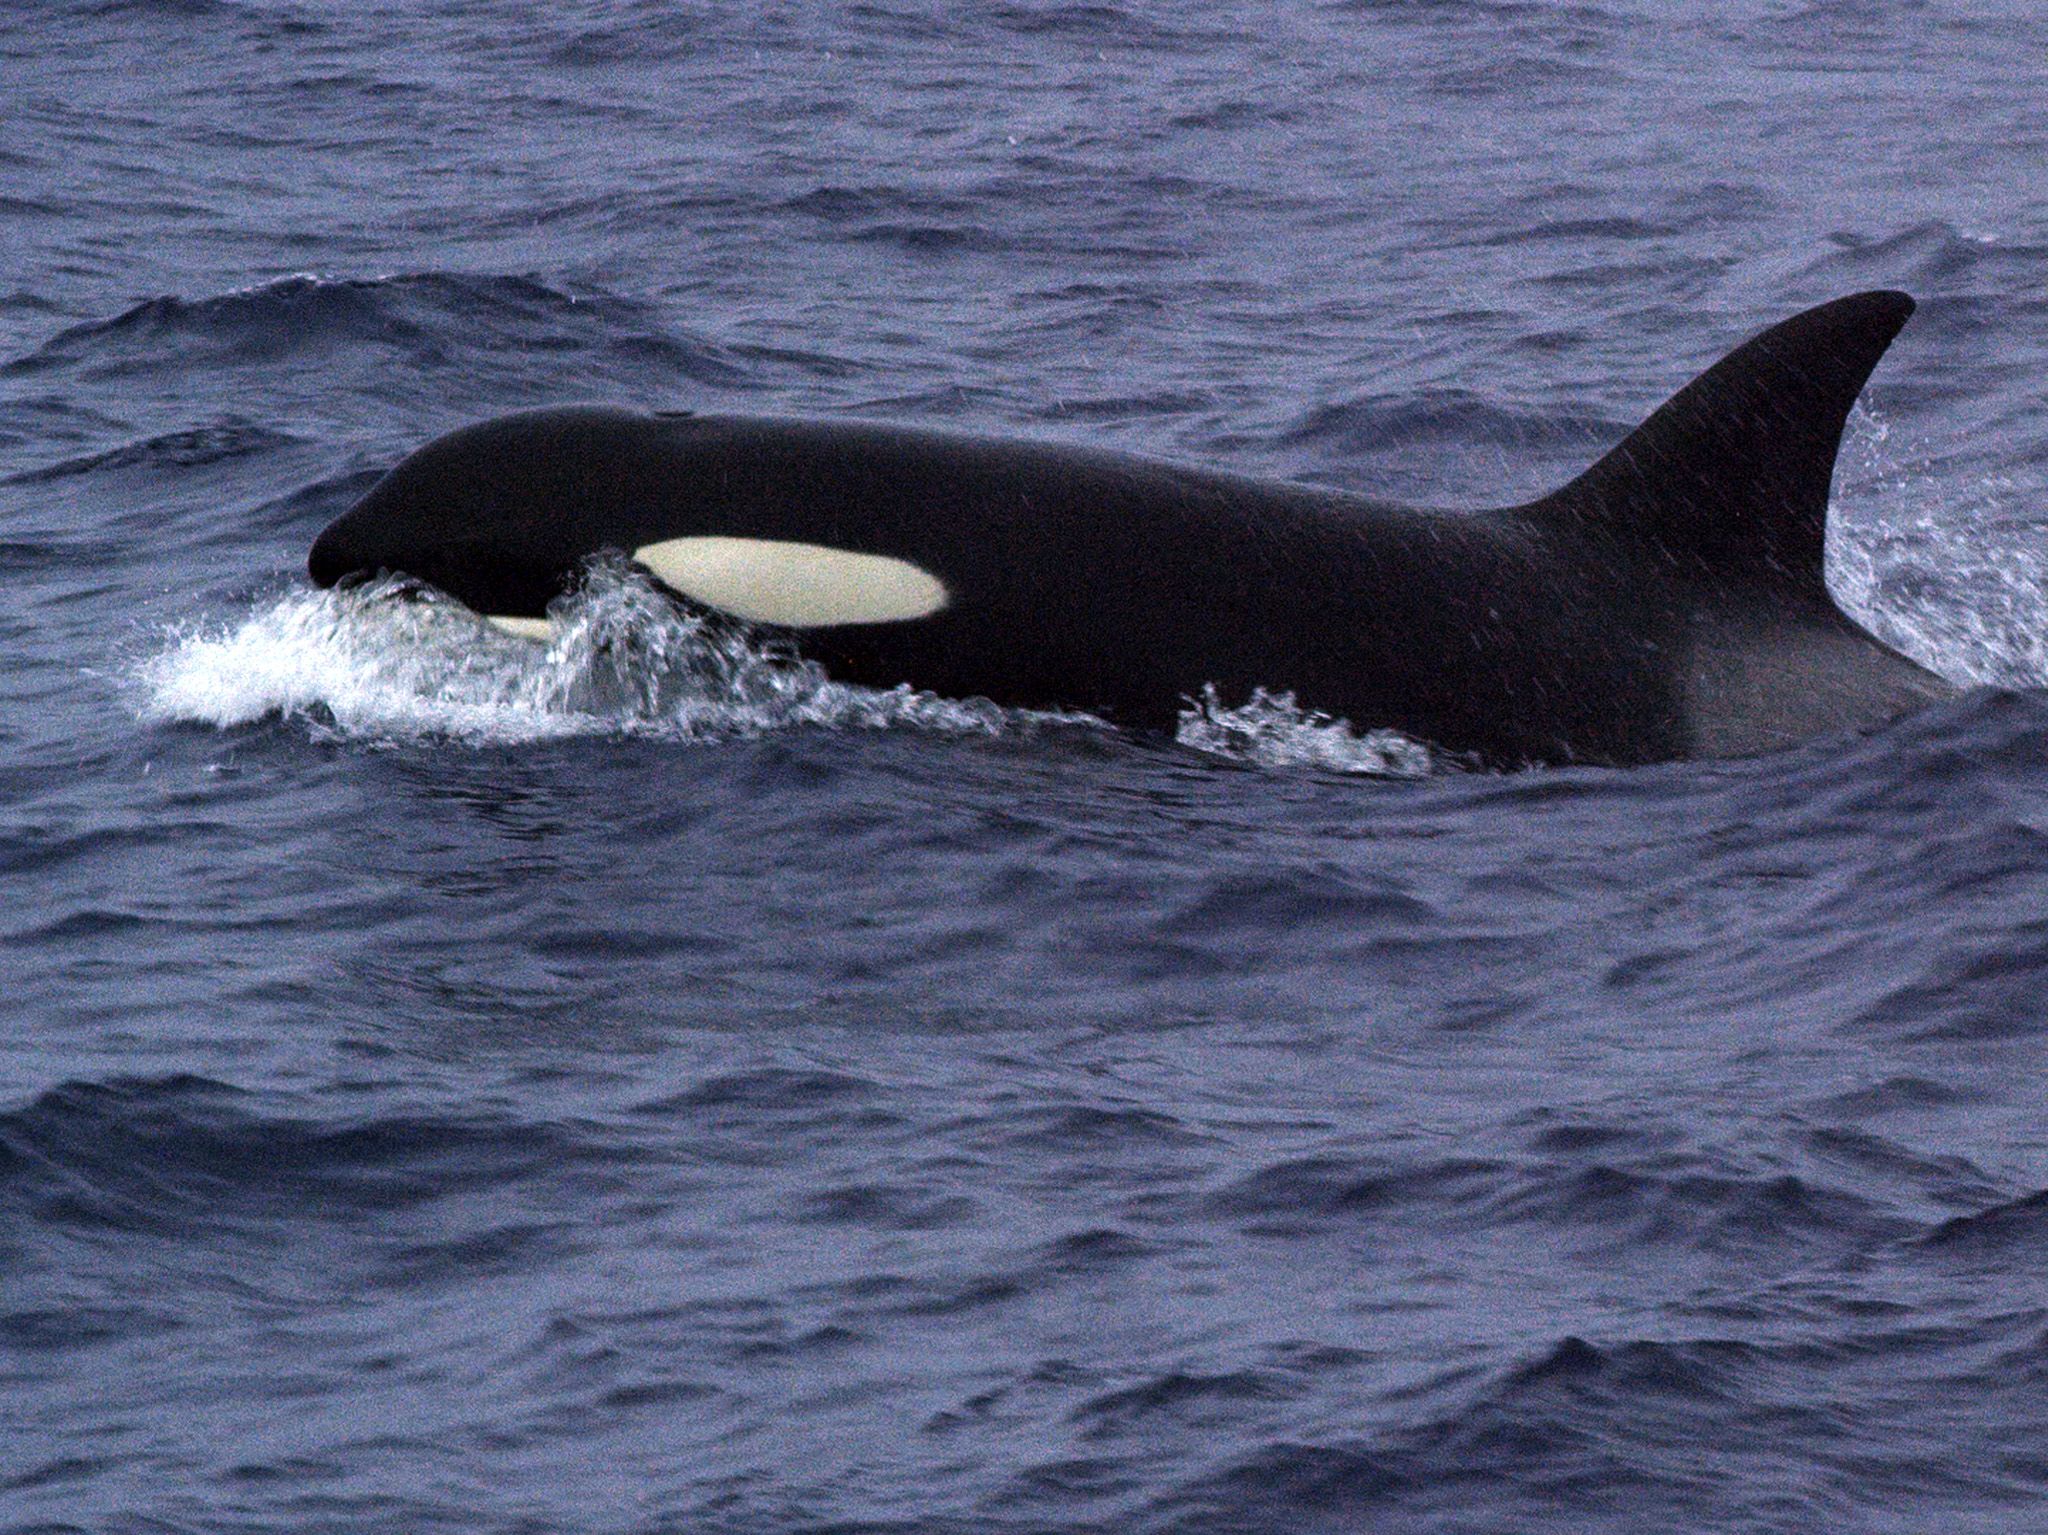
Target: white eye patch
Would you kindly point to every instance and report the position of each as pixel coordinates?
(795, 586)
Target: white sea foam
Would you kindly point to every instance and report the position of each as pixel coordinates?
(1947, 570)
(395, 660)
(1272, 730)
(392, 659)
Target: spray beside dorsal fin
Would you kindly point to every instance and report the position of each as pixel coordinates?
(1734, 469)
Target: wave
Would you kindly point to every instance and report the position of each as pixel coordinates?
(395, 660)
(652, 35)
(161, 1154)
(1579, 1435)
(1670, 1205)
(423, 320)
(186, 449)
(2016, 1229)
(1976, 988)
(1271, 730)
(1437, 417)
(1933, 256)
(1946, 568)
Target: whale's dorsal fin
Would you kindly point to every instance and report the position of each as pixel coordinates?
(1733, 470)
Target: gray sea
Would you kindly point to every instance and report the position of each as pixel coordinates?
(454, 1085)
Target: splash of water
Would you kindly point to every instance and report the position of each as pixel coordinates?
(1950, 573)
(1272, 730)
(393, 659)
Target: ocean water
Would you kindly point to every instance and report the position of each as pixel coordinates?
(641, 1084)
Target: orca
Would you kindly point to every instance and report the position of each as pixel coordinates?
(1666, 604)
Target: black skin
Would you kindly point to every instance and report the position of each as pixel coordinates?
(1556, 632)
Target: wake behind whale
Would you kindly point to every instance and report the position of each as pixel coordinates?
(1667, 603)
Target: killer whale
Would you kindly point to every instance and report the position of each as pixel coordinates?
(1667, 603)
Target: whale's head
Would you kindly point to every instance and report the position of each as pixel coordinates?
(499, 515)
